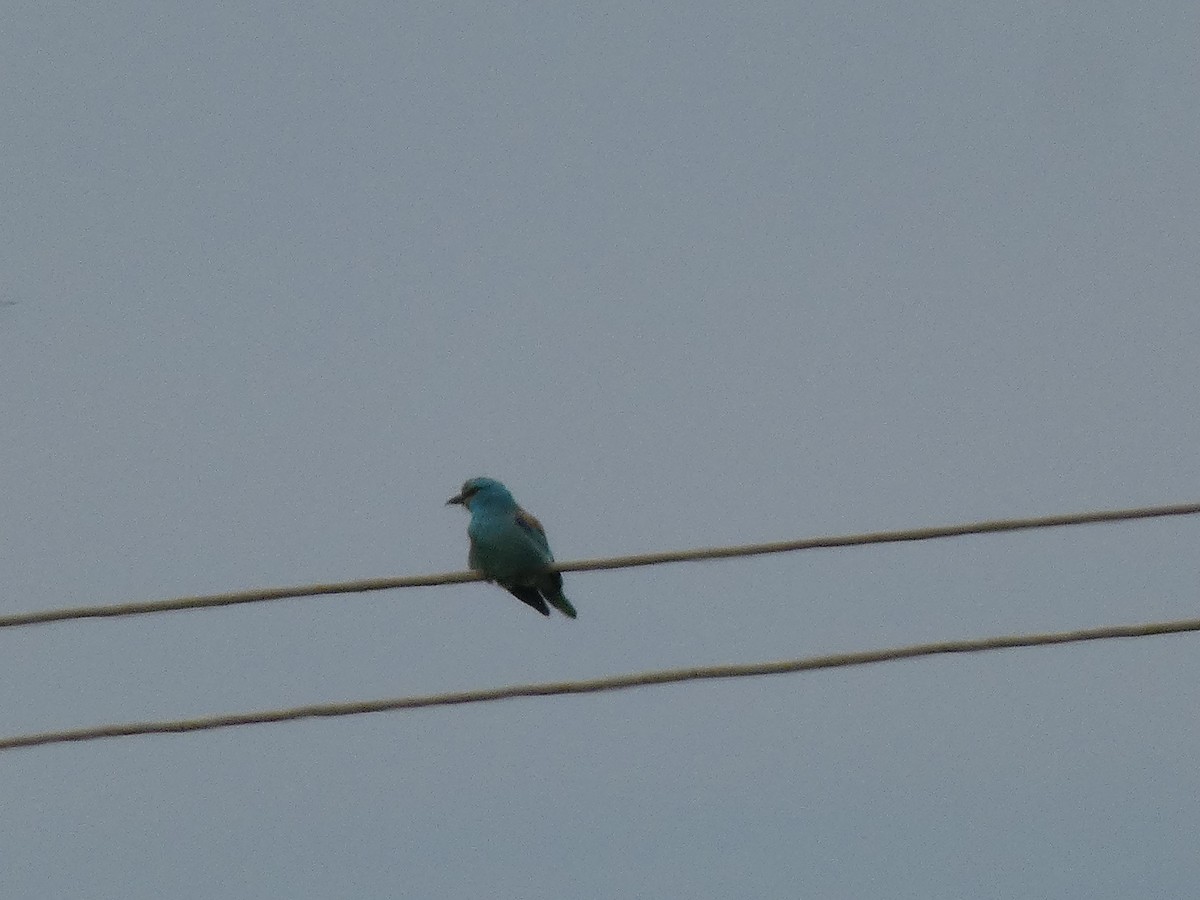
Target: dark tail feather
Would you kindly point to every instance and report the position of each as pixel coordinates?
(551, 588)
(529, 595)
(562, 604)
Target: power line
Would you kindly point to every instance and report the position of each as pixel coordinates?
(994, 526)
(260, 595)
(597, 685)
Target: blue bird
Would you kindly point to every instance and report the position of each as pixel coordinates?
(509, 546)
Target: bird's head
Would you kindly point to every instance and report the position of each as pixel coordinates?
(488, 490)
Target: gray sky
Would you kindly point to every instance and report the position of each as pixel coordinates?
(283, 275)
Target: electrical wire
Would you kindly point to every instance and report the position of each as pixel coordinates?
(597, 685)
(260, 595)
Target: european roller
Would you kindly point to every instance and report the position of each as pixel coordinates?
(509, 546)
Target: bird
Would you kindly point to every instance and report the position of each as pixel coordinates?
(509, 546)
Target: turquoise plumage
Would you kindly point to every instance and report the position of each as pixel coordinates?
(509, 546)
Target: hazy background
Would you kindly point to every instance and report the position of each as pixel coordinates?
(281, 275)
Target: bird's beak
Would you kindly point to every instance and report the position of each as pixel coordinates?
(458, 499)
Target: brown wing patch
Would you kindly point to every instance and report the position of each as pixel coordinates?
(528, 521)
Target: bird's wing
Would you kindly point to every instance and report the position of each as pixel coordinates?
(532, 527)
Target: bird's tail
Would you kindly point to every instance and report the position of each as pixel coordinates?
(551, 588)
(559, 601)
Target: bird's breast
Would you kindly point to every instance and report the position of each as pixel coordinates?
(503, 551)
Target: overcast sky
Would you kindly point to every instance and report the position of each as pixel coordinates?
(278, 277)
